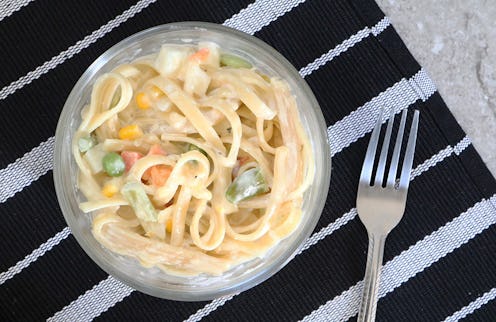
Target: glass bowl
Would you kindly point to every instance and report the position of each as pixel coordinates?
(153, 281)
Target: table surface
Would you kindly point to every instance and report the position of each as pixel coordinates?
(452, 40)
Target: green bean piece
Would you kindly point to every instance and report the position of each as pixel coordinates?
(113, 164)
(248, 184)
(234, 61)
(134, 193)
(192, 147)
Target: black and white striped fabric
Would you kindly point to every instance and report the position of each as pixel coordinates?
(438, 263)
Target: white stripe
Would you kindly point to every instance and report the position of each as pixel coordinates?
(26, 169)
(358, 123)
(344, 46)
(328, 230)
(435, 159)
(74, 49)
(94, 302)
(462, 145)
(423, 85)
(200, 314)
(259, 14)
(40, 251)
(473, 306)
(8, 7)
(410, 262)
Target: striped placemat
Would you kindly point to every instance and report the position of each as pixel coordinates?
(438, 263)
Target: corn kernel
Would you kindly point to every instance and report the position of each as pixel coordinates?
(109, 190)
(142, 101)
(156, 92)
(168, 225)
(130, 132)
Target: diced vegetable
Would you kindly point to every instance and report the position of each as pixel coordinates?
(86, 142)
(170, 58)
(156, 149)
(163, 104)
(156, 92)
(201, 55)
(196, 80)
(159, 174)
(113, 164)
(130, 158)
(94, 158)
(192, 147)
(213, 53)
(234, 61)
(243, 160)
(168, 225)
(130, 132)
(109, 190)
(134, 193)
(249, 184)
(142, 101)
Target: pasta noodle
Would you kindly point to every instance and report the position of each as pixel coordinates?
(192, 161)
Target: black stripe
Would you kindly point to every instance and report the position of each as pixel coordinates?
(339, 259)
(486, 313)
(303, 34)
(28, 220)
(46, 96)
(369, 11)
(479, 173)
(352, 79)
(139, 306)
(49, 284)
(34, 35)
(464, 278)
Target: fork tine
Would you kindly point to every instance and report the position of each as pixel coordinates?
(410, 150)
(368, 163)
(393, 168)
(379, 175)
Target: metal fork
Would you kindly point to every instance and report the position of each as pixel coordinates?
(380, 204)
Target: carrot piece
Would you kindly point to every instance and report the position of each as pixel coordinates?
(160, 174)
(243, 160)
(201, 55)
(147, 176)
(156, 149)
(157, 174)
(130, 158)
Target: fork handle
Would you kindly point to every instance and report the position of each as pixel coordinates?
(371, 280)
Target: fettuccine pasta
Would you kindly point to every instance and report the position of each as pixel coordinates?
(192, 160)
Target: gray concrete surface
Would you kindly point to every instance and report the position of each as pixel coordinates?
(455, 40)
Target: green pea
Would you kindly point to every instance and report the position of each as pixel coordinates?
(86, 142)
(248, 184)
(113, 164)
(234, 61)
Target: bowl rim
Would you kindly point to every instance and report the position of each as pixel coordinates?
(263, 272)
